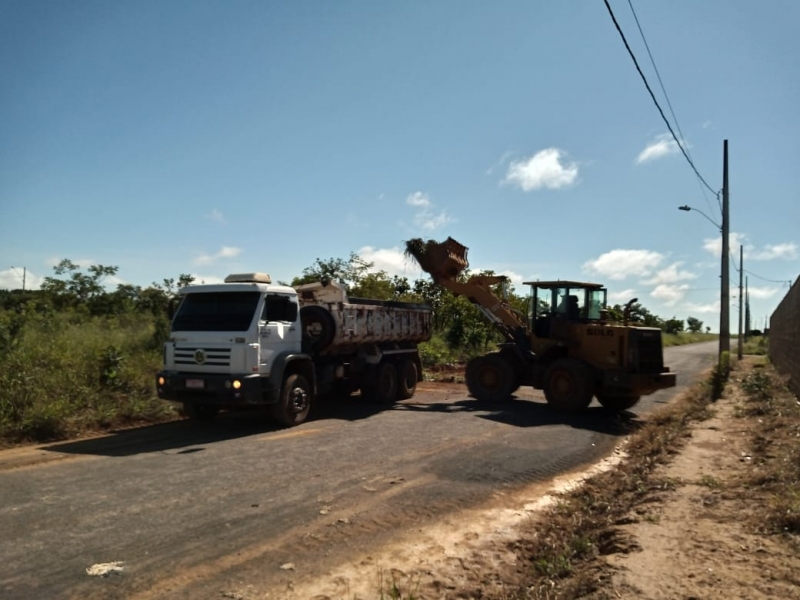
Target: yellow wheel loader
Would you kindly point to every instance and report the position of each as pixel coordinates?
(566, 345)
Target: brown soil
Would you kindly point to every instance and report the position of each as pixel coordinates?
(686, 522)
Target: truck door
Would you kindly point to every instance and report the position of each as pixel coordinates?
(279, 331)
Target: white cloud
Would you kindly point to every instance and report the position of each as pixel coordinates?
(762, 293)
(669, 275)
(544, 169)
(619, 264)
(714, 245)
(621, 297)
(787, 251)
(670, 294)
(216, 216)
(391, 260)
(662, 146)
(703, 309)
(224, 253)
(12, 279)
(426, 216)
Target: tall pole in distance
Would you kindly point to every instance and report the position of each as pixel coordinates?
(724, 309)
(740, 349)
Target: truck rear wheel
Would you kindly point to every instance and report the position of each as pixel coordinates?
(383, 384)
(568, 384)
(200, 412)
(617, 403)
(490, 378)
(408, 377)
(295, 401)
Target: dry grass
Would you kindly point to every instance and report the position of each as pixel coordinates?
(563, 557)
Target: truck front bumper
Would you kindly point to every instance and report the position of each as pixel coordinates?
(216, 389)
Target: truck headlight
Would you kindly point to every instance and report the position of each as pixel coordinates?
(237, 384)
(161, 380)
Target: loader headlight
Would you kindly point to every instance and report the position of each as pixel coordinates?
(237, 384)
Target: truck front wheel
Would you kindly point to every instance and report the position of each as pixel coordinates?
(295, 401)
(568, 384)
(490, 378)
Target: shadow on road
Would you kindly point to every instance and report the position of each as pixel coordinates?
(184, 436)
(527, 413)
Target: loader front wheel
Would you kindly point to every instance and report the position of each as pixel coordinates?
(568, 385)
(617, 403)
(490, 378)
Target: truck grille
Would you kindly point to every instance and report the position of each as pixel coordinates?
(646, 353)
(216, 357)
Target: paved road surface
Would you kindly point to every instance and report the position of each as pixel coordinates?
(191, 510)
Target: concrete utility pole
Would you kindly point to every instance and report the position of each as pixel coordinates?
(724, 309)
(741, 310)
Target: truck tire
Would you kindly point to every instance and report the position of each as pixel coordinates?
(568, 385)
(319, 328)
(617, 403)
(408, 377)
(490, 378)
(200, 412)
(295, 401)
(382, 385)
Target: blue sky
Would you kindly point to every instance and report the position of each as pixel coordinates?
(209, 137)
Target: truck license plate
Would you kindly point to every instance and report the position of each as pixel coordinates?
(195, 384)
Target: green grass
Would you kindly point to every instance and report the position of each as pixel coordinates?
(680, 339)
(64, 373)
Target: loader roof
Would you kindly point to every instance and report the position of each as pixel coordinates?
(564, 284)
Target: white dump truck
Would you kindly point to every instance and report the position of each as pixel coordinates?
(249, 342)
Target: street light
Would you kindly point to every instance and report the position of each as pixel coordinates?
(724, 308)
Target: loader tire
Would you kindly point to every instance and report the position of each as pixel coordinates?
(617, 403)
(490, 378)
(568, 385)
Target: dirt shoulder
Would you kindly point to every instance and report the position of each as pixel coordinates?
(699, 502)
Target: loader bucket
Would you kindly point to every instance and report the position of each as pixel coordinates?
(441, 260)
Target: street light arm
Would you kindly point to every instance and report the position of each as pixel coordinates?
(687, 208)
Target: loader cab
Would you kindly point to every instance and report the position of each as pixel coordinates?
(565, 301)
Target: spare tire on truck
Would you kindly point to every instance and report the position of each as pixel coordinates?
(319, 328)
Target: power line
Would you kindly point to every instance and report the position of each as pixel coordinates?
(655, 101)
(666, 96)
(737, 268)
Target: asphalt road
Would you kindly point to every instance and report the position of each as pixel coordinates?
(193, 510)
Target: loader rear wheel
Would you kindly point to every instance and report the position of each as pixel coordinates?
(295, 401)
(568, 385)
(490, 378)
(408, 377)
(383, 385)
(617, 403)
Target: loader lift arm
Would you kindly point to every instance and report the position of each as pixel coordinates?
(445, 261)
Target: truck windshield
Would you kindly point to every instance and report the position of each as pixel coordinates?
(216, 311)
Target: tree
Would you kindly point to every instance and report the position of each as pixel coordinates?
(673, 325)
(78, 288)
(349, 272)
(694, 325)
